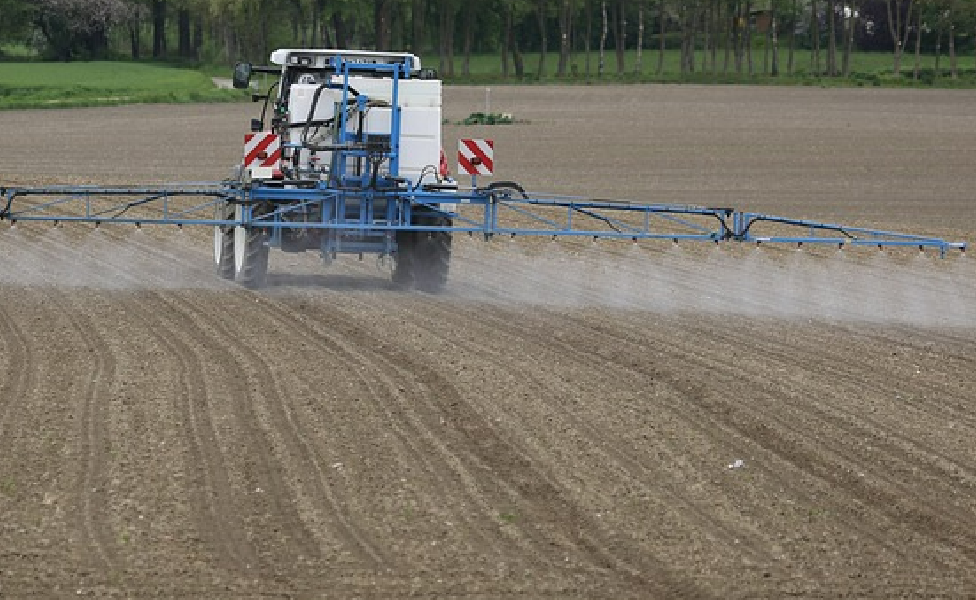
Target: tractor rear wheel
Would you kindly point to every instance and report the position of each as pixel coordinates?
(224, 243)
(432, 256)
(250, 254)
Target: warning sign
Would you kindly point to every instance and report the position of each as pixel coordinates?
(476, 157)
(262, 150)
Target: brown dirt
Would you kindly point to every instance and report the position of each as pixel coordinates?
(560, 423)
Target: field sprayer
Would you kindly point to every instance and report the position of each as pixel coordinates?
(347, 157)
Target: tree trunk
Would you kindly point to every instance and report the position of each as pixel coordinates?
(418, 12)
(639, 66)
(135, 41)
(899, 30)
(918, 52)
(230, 43)
(183, 24)
(767, 43)
(752, 66)
(541, 8)
(683, 56)
(589, 33)
(516, 52)
(774, 25)
(620, 35)
(815, 37)
(468, 41)
(711, 38)
(953, 63)
(159, 28)
(729, 35)
(506, 38)
(832, 39)
(792, 50)
(740, 47)
(447, 38)
(197, 37)
(382, 25)
(603, 39)
(662, 42)
(297, 22)
(850, 22)
(689, 35)
(565, 33)
(341, 31)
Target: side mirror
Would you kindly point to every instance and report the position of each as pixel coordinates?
(242, 76)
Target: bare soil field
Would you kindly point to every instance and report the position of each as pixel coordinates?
(567, 420)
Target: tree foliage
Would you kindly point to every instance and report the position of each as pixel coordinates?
(742, 36)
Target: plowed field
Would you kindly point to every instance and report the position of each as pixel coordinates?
(567, 420)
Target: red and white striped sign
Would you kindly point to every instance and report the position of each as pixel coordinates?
(476, 157)
(261, 150)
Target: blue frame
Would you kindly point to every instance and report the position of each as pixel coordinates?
(366, 220)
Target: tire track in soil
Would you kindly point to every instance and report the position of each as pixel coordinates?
(209, 486)
(492, 458)
(955, 464)
(807, 451)
(840, 372)
(393, 380)
(19, 368)
(678, 385)
(894, 498)
(391, 377)
(264, 475)
(614, 455)
(265, 382)
(400, 385)
(262, 388)
(216, 519)
(958, 349)
(695, 394)
(91, 485)
(92, 520)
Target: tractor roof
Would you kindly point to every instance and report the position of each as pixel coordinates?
(320, 57)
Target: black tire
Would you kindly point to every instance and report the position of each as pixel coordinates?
(432, 257)
(224, 244)
(250, 256)
(403, 268)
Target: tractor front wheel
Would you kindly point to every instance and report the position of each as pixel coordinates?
(250, 254)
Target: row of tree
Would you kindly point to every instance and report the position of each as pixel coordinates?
(713, 35)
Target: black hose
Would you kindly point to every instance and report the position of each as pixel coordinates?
(264, 110)
(506, 185)
(311, 113)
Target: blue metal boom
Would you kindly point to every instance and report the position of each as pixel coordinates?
(499, 209)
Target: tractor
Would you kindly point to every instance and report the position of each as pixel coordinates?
(350, 139)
